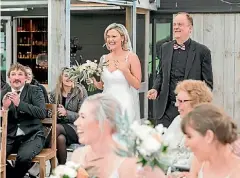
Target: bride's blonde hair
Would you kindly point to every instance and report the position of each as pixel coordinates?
(106, 108)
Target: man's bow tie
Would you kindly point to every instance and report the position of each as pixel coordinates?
(176, 46)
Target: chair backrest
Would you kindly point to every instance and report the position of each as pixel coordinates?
(53, 123)
(4, 116)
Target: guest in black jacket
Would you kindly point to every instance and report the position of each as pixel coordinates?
(180, 59)
(32, 81)
(26, 107)
(4, 84)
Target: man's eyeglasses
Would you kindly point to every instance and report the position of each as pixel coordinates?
(182, 101)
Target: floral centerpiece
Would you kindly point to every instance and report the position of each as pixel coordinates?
(85, 72)
(143, 141)
(71, 170)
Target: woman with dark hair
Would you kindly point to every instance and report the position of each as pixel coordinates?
(69, 97)
(32, 81)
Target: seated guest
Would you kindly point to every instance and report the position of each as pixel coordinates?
(42, 61)
(26, 107)
(96, 126)
(209, 132)
(33, 81)
(189, 93)
(42, 68)
(4, 84)
(69, 96)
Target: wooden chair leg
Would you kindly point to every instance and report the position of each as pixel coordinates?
(42, 169)
(53, 162)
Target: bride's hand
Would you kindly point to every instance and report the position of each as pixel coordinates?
(91, 81)
(121, 65)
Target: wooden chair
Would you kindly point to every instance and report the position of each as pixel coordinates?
(4, 115)
(47, 153)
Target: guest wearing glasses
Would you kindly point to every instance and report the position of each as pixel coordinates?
(189, 93)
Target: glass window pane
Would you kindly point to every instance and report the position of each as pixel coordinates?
(163, 34)
(3, 51)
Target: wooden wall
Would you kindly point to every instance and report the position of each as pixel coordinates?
(221, 33)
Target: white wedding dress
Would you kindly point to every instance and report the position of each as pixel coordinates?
(116, 84)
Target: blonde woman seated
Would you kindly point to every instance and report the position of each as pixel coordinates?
(95, 128)
(189, 94)
(69, 96)
(209, 133)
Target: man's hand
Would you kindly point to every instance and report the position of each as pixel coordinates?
(6, 101)
(152, 94)
(15, 98)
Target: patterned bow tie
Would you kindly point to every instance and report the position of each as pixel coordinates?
(18, 92)
(176, 46)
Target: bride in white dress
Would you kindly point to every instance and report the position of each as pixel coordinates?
(121, 76)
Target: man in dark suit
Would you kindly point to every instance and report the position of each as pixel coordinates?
(26, 107)
(180, 59)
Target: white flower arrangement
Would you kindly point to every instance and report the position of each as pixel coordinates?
(73, 170)
(69, 170)
(85, 72)
(144, 142)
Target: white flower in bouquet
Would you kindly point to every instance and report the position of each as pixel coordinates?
(141, 131)
(144, 142)
(85, 72)
(151, 145)
(69, 170)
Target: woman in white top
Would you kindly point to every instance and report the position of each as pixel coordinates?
(209, 133)
(95, 127)
(189, 94)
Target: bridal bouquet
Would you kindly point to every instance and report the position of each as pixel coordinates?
(85, 72)
(144, 142)
(70, 170)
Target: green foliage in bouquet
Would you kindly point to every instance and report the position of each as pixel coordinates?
(85, 72)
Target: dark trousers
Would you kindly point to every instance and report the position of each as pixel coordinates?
(26, 147)
(170, 113)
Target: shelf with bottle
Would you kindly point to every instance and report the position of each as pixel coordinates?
(27, 55)
(32, 40)
(39, 43)
(24, 55)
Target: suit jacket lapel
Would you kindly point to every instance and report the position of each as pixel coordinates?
(169, 57)
(190, 58)
(24, 92)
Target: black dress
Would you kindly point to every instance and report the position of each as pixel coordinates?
(71, 136)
